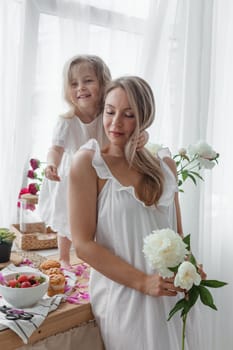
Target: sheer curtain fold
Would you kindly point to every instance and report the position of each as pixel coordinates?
(15, 101)
(192, 80)
(216, 225)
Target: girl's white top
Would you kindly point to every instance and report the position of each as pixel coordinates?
(128, 319)
(69, 133)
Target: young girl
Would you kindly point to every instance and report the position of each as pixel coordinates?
(117, 196)
(85, 79)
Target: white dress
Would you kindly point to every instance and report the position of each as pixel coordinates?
(130, 320)
(69, 133)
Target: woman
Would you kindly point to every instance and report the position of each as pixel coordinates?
(117, 196)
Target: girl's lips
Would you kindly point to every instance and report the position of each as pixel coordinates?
(83, 96)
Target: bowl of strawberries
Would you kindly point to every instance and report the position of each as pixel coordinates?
(23, 289)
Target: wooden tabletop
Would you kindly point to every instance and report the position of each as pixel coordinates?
(65, 317)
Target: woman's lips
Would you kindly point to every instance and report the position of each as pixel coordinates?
(116, 133)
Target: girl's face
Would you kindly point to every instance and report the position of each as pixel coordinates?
(118, 118)
(85, 91)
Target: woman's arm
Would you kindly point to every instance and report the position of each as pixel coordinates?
(172, 165)
(83, 184)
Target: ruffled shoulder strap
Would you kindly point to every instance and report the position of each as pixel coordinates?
(170, 183)
(98, 162)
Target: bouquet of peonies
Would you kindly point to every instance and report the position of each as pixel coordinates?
(35, 173)
(170, 255)
(190, 161)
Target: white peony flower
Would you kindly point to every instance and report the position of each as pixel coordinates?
(153, 148)
(206, 163)
(203, 149)
(187, 276)
(163, 249)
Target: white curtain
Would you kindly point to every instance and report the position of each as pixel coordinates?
(216, 227)
(18, 54)
(184, 48)
(190, 68)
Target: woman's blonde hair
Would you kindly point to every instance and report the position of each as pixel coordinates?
(141, 100)
(101, 70)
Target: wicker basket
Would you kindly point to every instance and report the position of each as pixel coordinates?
(36, 237)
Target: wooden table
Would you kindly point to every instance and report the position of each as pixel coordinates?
(67, 316)
(64, 318)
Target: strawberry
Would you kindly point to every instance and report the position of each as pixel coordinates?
(26, 284)
(23, 278)
(12, 283)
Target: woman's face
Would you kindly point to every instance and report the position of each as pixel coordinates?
(118, 118)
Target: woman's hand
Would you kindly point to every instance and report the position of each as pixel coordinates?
(157, 286)
(51, 173)
(142, 140)
(201, 271)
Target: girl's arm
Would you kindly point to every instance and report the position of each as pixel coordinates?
(54, 158)
(83, 193)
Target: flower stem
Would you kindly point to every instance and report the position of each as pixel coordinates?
(183, 330)
(187, 165)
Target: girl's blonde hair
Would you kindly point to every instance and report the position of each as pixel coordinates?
(141, 100)
(101, 70)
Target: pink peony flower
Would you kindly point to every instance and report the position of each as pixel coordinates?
(33, 188)
(23, 190)
(35, 163)
(31, 174)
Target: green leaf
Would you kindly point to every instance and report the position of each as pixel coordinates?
(180, 182)
(213, 283)
(184, 174)
(186, 240)
(191, 299)
(206, 297)
(174, 269)
(192, 260)
(186, 157)
(179, 305)
(176, 156)
(192, 178)
(197, 174)
(193, 295)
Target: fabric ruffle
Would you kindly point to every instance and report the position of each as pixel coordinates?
(103, 172)
(170, 184)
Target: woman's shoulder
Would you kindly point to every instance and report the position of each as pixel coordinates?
(90, 155)
(91, 144)
(165, 156)
(82, 162)
(171, 164)
(86, 152)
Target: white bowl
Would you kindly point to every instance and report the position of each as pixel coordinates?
(24, 297)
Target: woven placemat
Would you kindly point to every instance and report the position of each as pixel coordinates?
(34, 257)
(18, 257)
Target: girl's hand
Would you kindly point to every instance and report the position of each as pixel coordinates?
(142, 140)
(51, 173)
(157, 286)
